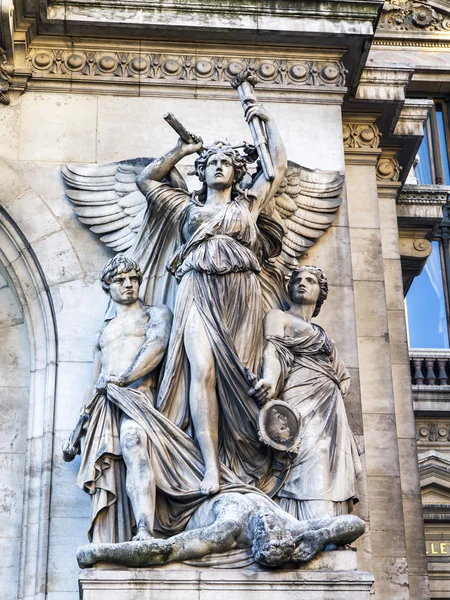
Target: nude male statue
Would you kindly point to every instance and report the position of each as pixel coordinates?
(130, 347)
(231, 521)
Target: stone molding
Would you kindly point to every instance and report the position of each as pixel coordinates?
(251, 15)
(35, 298)
(424, 194)
(153, 67)
(412, 117)
(411, 15)
(312, 582)
(384, 83)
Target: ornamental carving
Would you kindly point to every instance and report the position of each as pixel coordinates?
(360, 135)
(388, 168)
(404, 15)
(433, 432)
(5, 77)
(149, 67)
(422, 194)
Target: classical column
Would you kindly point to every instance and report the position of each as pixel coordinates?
(384, 489)
(393, 252)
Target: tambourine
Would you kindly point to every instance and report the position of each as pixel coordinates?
(279, 426)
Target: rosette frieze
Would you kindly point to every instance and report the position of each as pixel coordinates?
(120, 67)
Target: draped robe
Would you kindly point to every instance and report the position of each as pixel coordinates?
(328, 463)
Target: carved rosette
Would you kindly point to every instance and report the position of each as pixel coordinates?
(404, 15)
(148, 67)
(433, 432)
(6, 71)
(360, 135)
(388, 168)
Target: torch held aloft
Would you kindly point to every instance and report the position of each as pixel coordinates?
(244, 84)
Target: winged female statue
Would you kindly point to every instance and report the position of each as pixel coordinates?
(218, 257)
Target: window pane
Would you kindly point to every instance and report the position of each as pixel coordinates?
(425, 301)
(442, 144)
(423, 169)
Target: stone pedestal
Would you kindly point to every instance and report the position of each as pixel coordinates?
(330, 576)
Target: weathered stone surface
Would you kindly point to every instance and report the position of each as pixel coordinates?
(70, 131)
(376, 381)
(206, 585)
(370, 320)
(339, 308)
(380, 444)
(9, 132)
(366, 254)
(332, 254)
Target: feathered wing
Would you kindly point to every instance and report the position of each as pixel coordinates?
(306, 204)
(106, 199)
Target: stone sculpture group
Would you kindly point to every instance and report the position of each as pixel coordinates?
(200, 337)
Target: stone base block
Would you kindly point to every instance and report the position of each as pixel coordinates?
(327, 581)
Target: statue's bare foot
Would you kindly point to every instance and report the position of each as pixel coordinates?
(87, 556)
(308, 545)
(210, 484)
(143, 535)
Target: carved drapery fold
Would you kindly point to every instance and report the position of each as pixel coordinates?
(6, 71)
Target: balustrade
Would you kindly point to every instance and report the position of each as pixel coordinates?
(430, 367)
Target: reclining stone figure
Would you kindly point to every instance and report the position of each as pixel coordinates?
(230, 521)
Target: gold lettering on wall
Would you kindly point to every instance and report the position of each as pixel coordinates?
(438, 548)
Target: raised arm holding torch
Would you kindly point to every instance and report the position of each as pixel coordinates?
(244, 83)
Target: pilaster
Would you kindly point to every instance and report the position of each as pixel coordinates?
(384, 486)
(395, 251)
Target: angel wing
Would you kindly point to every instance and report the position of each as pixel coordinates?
(107, 199)
(306, 204)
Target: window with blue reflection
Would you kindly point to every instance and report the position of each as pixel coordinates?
(423, 167)
(426, 310)
(442, 144)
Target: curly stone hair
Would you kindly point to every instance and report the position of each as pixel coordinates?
(322, 280)
(239, 165)
(272, 544)
(115, 265)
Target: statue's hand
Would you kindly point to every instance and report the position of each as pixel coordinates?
(101, 384)
(262, 392)
(257, 110)
(345, 385)
(69, 451)
(195, 146)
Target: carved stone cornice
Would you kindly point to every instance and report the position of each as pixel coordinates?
(424, 194)
(384, 83)
(414, 252)
(411, 15)
(125, 67)
(413, 116)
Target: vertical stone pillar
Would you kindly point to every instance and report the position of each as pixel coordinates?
(387, 176)
(385, 506)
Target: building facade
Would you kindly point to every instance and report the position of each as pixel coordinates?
(356, 87)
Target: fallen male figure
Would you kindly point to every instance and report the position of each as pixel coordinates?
(228, 521)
